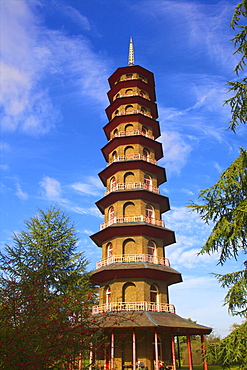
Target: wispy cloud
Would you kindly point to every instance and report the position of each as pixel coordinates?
(93, 186)
(76, 16)
(20, 193)
(30, 56)
(176, 151)
(51, 188)
(87, 211)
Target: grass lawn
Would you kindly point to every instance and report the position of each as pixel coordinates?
(210, 367)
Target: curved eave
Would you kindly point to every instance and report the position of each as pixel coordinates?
(134, 194)
(167, 236)
(131, 69)
(144, 120)
(133, 165)
(137, 139)
(151, 320)
(135, 271)
(132, 100)
(131, 83)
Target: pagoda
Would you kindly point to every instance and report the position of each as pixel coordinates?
(134, 274)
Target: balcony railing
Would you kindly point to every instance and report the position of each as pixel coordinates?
(134, 94)
(133, 258)
(133, 306)
(132, 157)
(134, 111)
(132, 219)
(131, 186)
(132, 133)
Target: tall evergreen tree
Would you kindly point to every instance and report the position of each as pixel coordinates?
(225, 203)
(45, 296)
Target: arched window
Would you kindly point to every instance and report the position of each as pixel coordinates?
(116, 112)
(151, 248)
(129, 179)
(129, 152)
(128, 209)
(129, 292)
(129, 127)
(129, 76)
(108, 295)
(128, 246)
(117, 96)
(145, 154)
(109, 249)
(111, 213)
(148, 182)
(113, 183)
(154, 294)
(143, 110)
(129, 109)
(144, 131)
(149, 212)
(115, 132)
(129, 92)
(114, 155)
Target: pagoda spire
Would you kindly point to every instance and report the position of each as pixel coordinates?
(131, 61)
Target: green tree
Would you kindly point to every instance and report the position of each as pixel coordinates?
(237, 102)
(225, 203)
(45, 296)
(232, 350)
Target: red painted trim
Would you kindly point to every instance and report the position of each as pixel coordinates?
(131, 69)
(132, 83)
(167, 236)
(189, 352)
(144, 120)
(161, 200)
(135, 139)
(132, 100)
(173, 353)
(169, 275)
(148, 167)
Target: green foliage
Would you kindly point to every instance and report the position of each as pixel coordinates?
(45, 296)
(238, 103)
(232, 350)
(225, 204)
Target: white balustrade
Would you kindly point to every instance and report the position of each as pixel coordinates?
(134, 111)
(132, 133)
(133, 186)
(133, 258)
(132, 219)
(132, 157)
(134, 94)
(133, 306)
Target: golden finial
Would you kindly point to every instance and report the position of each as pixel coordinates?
(131, 61)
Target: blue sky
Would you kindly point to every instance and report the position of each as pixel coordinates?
(56, 57)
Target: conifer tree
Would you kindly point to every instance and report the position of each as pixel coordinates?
(225, 203)
(45, 296)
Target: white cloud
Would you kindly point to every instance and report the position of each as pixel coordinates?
(218, 167)
(4, 146)
(191, 234)
(92, 187)
(31, 56)
(20, 193)
(87, 211)
(187, 191)
(76, 16)
(51, 188)
(4, 167)
(176, 151)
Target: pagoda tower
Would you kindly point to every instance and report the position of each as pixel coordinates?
(134, 273)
